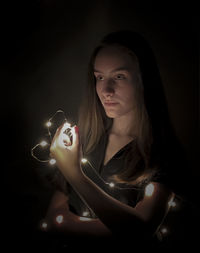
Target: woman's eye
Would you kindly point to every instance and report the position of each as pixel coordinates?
(120, 77)
(99, 78)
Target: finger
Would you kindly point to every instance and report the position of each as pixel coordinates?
(78, 142)
(67, 143)
(57, 133)
(67, 131)
(55, 137)
(69, 134)
(59, 129)
(76, 139)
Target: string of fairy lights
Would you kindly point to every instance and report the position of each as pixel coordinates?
(69, 134)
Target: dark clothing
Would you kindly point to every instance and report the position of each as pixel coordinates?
(102, 174)
(176, 221)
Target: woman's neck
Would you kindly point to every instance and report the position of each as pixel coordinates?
(123, 126)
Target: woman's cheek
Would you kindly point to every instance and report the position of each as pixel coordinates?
(97, 89)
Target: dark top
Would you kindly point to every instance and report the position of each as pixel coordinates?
(178, 219)
(101, 175)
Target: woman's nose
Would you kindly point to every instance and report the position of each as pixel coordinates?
(108, 88)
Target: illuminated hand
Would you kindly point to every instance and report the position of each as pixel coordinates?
(66, 150)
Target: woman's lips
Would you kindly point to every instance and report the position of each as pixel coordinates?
(110, 104)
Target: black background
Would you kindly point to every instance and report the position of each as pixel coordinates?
(45, 48)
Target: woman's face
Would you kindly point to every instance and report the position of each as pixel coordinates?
(115, 73)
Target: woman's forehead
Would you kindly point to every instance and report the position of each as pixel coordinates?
(114, 58)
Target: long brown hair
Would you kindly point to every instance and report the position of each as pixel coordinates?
(157, 150)
(94, 123)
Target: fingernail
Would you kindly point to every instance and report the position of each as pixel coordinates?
(76, 130)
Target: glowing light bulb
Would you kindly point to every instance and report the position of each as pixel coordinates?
(43, 143)
(44, 225)
(111, 184)
(164, 230)
(149, 190)
(52, 161)
(84, 160)
(171, 203)
(84, 218)
(85, 213)
(59, 219)
(48, 124)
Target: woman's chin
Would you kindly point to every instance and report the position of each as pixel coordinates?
(111, 115)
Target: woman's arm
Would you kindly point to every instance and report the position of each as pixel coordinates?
(60, 219)
(119, 217)
(116, 216)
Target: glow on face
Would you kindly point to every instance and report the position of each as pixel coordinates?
(114, 71)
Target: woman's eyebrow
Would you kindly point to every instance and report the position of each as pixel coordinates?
(114, 70)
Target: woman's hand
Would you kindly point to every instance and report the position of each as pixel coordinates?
(66, 150)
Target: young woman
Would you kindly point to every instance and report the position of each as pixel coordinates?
(123, 189)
